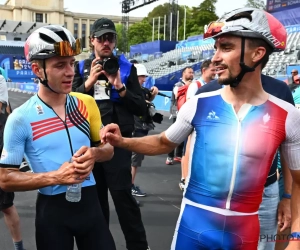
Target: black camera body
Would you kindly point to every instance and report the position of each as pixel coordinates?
(110, 65)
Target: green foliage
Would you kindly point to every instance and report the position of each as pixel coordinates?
(196, 19)
(139, 33)
(259, 4)
(120, 37)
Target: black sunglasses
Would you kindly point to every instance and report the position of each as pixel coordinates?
(106, 37)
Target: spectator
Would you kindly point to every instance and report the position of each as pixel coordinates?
(119, 97)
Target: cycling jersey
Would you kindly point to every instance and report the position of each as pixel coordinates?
(230, 157)
(236, 150)
(35, 130)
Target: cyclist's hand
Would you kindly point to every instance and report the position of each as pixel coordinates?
(284, 214)
(84, 160)
(66, 174)
(111, 134)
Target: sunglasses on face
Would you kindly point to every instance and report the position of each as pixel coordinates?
(64, 48)
(294, 72)
(106, 37)
(212, 29)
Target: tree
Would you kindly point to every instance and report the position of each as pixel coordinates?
(196, 19)
(259, 4)
(139, 33)
(120, 39)
(162, 11)
(200, 16)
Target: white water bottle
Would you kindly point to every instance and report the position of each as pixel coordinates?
(73, 193)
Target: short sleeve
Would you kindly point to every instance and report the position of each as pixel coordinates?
(16, 134)
(94, 118)
(192, 89)
(182, 127)
(290, 148)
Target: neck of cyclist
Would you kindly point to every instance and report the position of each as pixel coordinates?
(51, 98)
(249, 90)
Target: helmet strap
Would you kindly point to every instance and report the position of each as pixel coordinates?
(244, 67)
(45, 81)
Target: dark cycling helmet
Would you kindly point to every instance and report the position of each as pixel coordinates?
(49, 41)
(250, 23)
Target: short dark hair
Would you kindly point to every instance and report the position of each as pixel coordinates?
(256, 42)
(185, 68)
(205, 64)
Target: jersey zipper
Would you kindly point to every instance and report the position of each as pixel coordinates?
(64, 122)
(66, 127)
(235, 162)
(68, 133)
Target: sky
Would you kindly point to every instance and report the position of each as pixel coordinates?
(113, 7)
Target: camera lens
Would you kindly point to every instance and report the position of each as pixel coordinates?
(111, 66)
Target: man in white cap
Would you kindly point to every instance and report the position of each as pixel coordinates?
(142, 126)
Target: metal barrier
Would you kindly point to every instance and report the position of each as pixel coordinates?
(161, 103)
(29, 88)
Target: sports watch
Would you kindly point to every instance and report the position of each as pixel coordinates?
(121, 89)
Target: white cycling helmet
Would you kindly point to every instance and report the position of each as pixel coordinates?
(49, 41)
(249, 23)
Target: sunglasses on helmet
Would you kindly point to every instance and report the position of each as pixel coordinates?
(212, 29)
(108, 36)
(64, 48)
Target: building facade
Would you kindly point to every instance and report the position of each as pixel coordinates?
(20, 17)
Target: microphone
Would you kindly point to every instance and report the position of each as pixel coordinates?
(161, 94)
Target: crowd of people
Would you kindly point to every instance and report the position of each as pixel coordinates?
(237, 139)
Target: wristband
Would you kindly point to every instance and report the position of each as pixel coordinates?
(287, 196)
(295, 235)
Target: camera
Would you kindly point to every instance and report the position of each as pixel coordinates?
(156, 117)
(110, 65)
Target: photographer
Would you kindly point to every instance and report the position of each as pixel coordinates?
(119, 97)
(142, 125)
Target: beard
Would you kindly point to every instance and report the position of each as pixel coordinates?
(189, 79)
(105, 54)
(227, 81)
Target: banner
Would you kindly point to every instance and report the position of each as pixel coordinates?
(20, 75)
(201, 42)
(292, 29)
(31, 87)
(16, 62)
(281, 5)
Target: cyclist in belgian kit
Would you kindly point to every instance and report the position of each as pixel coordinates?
(236, 132)
(50, 129)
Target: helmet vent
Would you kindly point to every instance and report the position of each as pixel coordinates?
(47, 38)
(239, 16)
(62, 35)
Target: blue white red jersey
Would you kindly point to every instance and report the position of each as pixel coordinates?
(231, 153)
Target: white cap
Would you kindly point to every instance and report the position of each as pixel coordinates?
(141, 70)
